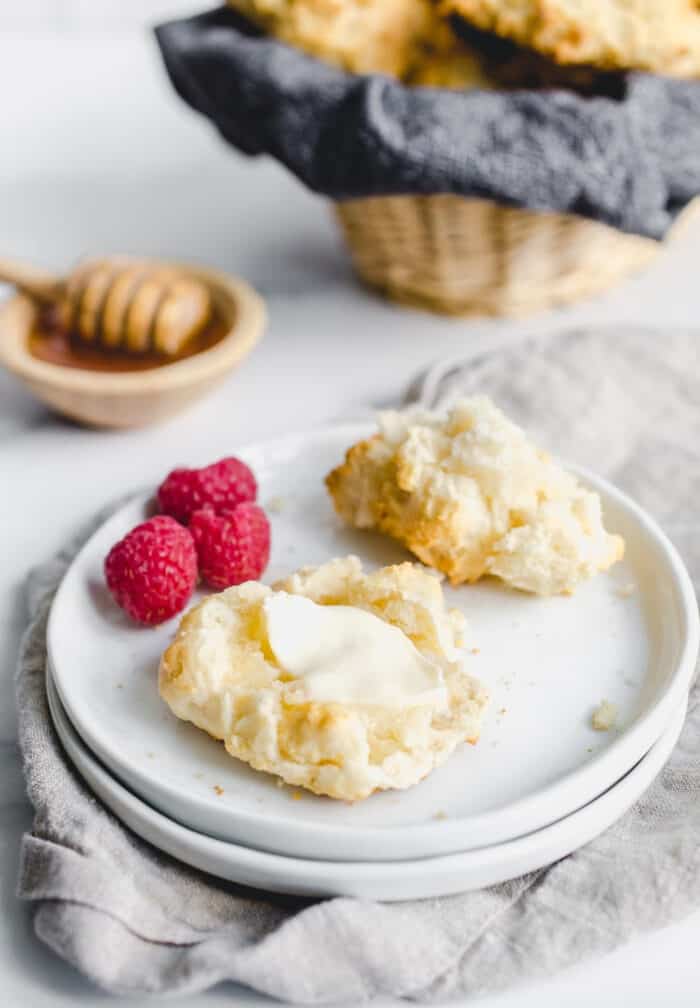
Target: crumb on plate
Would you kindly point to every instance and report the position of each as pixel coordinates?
(604, 716)
(276, 505)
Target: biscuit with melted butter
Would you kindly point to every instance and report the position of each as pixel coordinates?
(220, 673)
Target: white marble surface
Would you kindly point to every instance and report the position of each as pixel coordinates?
(98, 155)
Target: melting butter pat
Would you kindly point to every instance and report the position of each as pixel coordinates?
(343, 654)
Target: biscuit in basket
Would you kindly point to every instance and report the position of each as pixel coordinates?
(661, 36)
(221, 673)
(441, 59)
(457, 55)
(363, 36)
(470, 495)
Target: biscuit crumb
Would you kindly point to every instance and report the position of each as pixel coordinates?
(476, 650)
(218, 790)
(151, 755)
(276, 505)
(296, 796)
(604, 716)
(440, 815)
(502, 711)
(625, 591)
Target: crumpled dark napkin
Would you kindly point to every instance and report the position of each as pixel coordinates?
(633, 163)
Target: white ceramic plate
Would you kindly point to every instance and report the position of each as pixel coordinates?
(399, 880)
(630, 637)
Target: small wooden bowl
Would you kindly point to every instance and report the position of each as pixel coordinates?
(135, 398)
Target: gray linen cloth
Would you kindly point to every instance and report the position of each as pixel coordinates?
(626, 403)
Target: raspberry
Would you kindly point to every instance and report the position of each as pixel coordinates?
(233, 546)
(219, 486)
(152, 571)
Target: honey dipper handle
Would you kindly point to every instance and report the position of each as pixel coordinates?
(37, 284)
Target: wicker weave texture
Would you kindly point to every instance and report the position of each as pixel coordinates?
(474, 257)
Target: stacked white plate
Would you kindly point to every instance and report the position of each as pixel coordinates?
(540, 783)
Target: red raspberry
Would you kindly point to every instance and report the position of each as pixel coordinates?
(231, 547)
(152, 571)
(220, 486)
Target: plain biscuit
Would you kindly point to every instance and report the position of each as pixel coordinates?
(363, 36)
(470, 495)
(661, 36)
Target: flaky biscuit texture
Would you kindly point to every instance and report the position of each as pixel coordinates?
(220, 674)
(470, 495)
(363, 36)
(661, 36)
(413, 40)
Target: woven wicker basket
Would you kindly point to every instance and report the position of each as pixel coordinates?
(474, 257)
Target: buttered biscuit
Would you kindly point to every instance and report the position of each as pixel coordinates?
(336, 680)
(470, 495)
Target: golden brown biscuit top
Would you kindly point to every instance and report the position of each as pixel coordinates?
(661, 36)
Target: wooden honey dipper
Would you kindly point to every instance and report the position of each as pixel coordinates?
(136, 306)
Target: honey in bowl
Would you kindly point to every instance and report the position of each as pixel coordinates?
(50, 341)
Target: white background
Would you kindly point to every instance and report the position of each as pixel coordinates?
(98, 155)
